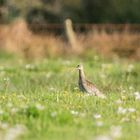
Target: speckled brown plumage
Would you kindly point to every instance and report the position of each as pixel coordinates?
(87, 86)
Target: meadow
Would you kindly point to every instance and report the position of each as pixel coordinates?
(40, 100)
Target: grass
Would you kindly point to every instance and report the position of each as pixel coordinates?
(40, 100)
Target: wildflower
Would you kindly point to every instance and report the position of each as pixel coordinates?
(119, 101)
(6, 79)
(131, 109)
(74, 112)
(14, 132)
(53, 114)
(4, 125)
(49, 74)
(115, 131)
(103, 137)
(40, 107)
(76, 88)
(137, 95)
(29, 67)
(125, 119)
(131, 88)
(130, 68)
(123, 97)
(14, 110)
(121, 110)
(52, 89)
(99, 123)
(97, 116)
(123, 91)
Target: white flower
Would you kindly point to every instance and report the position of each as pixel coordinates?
(6, 79)
(137, 95)
(123, 97)
(123, 91)
(52, 88)
(4, 125)
(29, 67)
(122, 110)
(125, 119)
(131, 88)
(131, 109)
(14, 110)
(49, 74)
(14, 132)
(40, 107)
(97, 116)
(115, 131)
(76, 88)
(53, 114)
(119, 101)
(99, 123)
(130, 68)
(73, 112)
(103, 137)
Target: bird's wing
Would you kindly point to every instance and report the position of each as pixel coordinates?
(91, 88)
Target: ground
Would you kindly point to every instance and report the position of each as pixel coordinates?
(40, 100)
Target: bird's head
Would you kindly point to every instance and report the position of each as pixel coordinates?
(79, 67)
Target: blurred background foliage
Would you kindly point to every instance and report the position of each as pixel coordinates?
(80, 11)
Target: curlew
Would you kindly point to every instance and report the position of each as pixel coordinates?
(87, 86)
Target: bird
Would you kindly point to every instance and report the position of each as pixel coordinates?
(87, 86)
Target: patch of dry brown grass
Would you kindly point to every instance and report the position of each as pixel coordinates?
(17, 38)
(123, 44)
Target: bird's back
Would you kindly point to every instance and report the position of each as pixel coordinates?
(90, 88)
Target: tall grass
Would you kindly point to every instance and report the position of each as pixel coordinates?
(17, 38)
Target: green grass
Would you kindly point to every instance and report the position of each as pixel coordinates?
(43, 97)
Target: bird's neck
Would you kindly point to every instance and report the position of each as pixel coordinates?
(81, 75)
